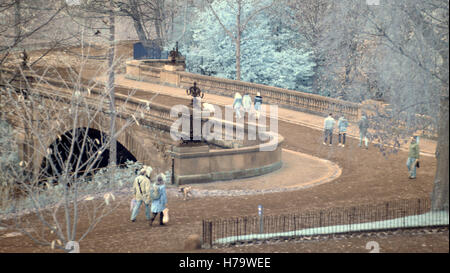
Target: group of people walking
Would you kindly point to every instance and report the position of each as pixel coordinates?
(363, 125)
(342, 126)
(243, 104)
(153, 195)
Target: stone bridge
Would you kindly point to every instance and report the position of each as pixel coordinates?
(146, 135)
(148, 139)
(154, 121)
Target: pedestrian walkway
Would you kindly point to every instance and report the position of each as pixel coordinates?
(427, 146)
(315, 171)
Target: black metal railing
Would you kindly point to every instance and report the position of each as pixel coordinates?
(398, 214)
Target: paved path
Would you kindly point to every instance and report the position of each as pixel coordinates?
(427, 146)
(315, 171)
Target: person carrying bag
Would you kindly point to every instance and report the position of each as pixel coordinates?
(158, 197)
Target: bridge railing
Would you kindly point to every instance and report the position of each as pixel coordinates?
(288, 98)
(292, 99)
(133, 105)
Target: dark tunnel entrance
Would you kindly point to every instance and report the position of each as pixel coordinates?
(59, 150)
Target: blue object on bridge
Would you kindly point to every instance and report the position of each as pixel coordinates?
(149, 51)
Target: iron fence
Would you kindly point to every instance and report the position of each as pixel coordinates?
(398, 214)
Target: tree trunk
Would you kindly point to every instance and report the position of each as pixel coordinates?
(110, 88)
(17, 21)
(238, 43)
(158, 21)
(238, 58)
(137, 21)
(139, 30)
(439, 196)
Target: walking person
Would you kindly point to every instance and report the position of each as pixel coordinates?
(342, 129)
(328, 129)
(247, 103)
(413, 157)
(141, 188)
(258, 103)
(363, 125)
(237, 104)
(159, 199)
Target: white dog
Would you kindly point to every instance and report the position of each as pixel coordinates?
(186, 191)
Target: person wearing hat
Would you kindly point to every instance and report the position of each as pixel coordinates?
(159, 199)
(258, 102)
(413, 157)
(141, 190)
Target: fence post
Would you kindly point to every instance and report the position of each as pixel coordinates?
(261, 216)
(210, 227)
(173, 171)
(387, 211)
(353, 217)
(207, 232)
(295, 225)
(203, 232)
(238, 234)
(245, 225)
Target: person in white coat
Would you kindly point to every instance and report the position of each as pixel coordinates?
(237, 104)
(328, 126)
(247, 103)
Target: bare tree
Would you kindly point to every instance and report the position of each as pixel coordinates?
(152, 19)
(395, 52)
(413, 70)
(333, 31)
(28, 23)
(105, 11)
(66, 118)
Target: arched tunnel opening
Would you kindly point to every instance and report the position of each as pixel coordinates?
(87, 145)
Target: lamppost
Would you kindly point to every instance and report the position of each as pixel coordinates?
(196, 95)
(174, 54)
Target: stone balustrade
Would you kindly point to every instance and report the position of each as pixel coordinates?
(287, 98)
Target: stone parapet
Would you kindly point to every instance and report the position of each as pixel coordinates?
(297, 100)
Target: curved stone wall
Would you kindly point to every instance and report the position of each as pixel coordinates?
(200, 164)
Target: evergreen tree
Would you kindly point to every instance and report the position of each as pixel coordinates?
(271, 53)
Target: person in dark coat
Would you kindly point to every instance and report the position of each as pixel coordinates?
(363, 125)
(258, 103)
(342, 130)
